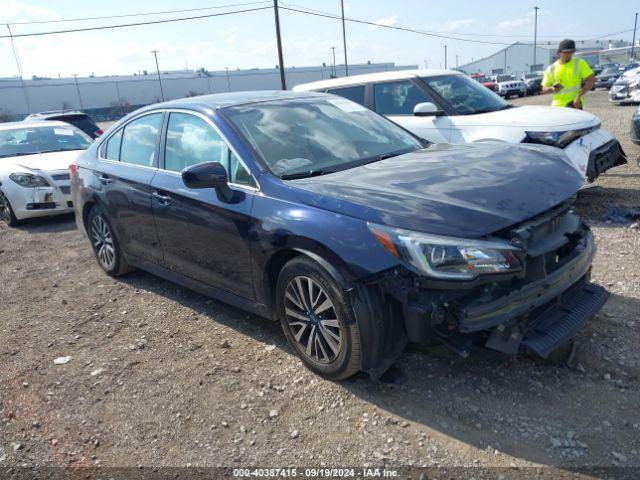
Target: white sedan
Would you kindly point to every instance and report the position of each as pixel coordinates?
(447, 106)
(34, 162)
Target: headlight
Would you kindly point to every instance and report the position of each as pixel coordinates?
(29, 180)
(447, 257)
(558, 139)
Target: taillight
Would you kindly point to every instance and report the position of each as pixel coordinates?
(98, 132)
(73, 169)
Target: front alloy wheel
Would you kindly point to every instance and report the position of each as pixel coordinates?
(312, 319)
(317, 318)
(6, 212)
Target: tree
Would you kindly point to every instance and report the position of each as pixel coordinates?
(119, 108)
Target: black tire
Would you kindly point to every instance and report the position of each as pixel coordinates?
(105, 244)
(6, 212)
(317, 331)
(520, 95)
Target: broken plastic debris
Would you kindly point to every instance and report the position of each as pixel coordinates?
(618, 214)
(62, 360)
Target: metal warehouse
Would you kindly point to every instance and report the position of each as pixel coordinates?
(518, 58)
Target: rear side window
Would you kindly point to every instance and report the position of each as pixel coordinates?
(112, 147)
(398, 98)
(83, 122)
(355, 94)
(191, 140)
(139, 140)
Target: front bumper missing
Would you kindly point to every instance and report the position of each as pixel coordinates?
(537, 316)
(605, 157)
(473, 318)
(552, 326)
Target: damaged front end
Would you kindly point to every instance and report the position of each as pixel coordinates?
(531, 299)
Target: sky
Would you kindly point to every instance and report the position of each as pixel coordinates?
(247, 40)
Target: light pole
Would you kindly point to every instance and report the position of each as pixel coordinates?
(75, 77)
(334, 73)
(155, 54)
(445, 57)
(120, 106)
(228, 79)
(344, 41)
(15, 55)
(283, 82)
(633, 43)
(535, 36)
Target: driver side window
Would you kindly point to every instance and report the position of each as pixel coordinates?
(398, 98)
(191, 140)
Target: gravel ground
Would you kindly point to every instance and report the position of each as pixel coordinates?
(161, 376)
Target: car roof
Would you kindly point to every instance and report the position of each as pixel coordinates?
(223, 100)
(372, 77)
(26, 124)
(56, 113)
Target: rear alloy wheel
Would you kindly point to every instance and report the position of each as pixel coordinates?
(6, 212)
(105, 245)
(316, 317)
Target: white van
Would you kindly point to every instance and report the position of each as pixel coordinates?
(447, 106)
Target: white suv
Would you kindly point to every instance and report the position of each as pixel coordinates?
(447, 106)
(508, 86)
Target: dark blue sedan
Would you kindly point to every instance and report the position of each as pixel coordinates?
(357, 236)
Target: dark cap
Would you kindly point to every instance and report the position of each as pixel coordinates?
(567, 45)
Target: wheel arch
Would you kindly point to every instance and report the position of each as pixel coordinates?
(279, 259)
(383, 335)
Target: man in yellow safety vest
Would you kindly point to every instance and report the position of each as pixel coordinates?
(568, 78)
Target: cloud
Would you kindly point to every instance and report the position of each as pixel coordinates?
(17, 11)
(515, 23)
(457, 25)
(391, 21)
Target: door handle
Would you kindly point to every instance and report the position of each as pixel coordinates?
(164, 200)
(104, 179)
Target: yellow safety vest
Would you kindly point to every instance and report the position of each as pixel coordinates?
(568, 74)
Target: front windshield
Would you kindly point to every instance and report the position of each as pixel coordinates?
(609, 71)
(312, 136)
(464, 95)
(505, 78)
(35, 139)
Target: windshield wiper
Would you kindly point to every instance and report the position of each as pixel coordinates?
(307, 174)
(63, 150)
(489, 110)
(19, 154)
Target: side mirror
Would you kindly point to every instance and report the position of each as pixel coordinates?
(208, 175)
(427, 109)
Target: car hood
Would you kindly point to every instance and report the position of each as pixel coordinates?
(530, 117)
(47, 161)
(457, 190)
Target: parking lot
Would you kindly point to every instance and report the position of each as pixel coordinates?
(162, 376)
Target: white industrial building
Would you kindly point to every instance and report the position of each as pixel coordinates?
(18, 98)
(517, 58)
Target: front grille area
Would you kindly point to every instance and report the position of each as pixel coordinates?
(549, 240)
(66, 190)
